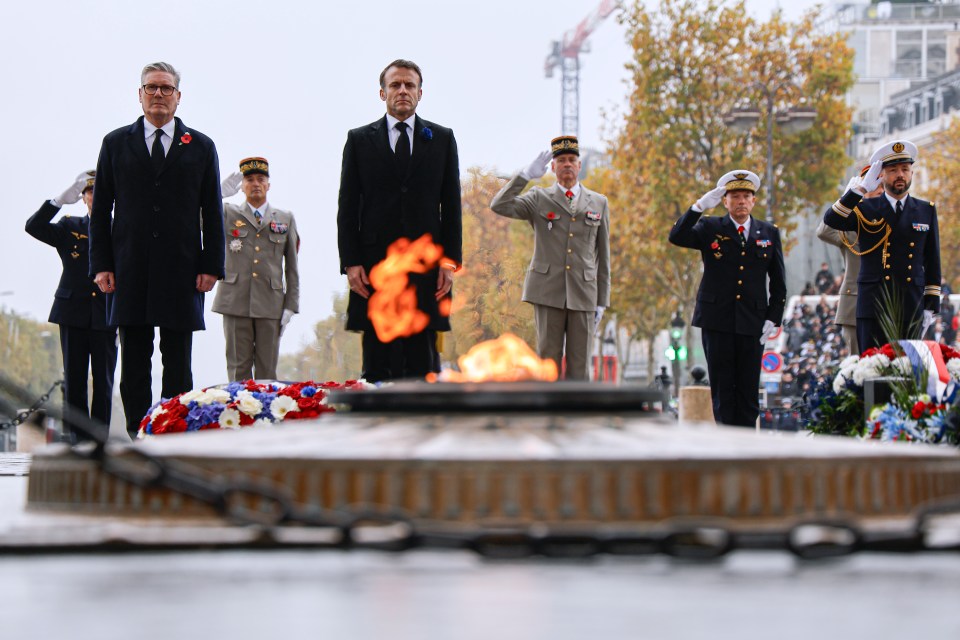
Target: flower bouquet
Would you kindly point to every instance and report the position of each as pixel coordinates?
(923, 403)
(241, 404)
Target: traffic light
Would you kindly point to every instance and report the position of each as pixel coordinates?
(671, 353)
(681, 353)
(676, 333)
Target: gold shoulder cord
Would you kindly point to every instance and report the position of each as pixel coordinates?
(871, 228)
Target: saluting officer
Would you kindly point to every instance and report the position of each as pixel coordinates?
(568, 281)
(261, 289)
(86, 341)
(899, 242)
(742, 257)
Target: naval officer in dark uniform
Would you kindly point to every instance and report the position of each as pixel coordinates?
(899, 241)
(79, 307)
(742, 292)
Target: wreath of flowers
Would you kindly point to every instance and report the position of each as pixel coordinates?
(241, 404)
(911, 415)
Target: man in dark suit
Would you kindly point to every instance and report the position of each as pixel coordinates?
(742, 257)
(899, 241)
(86, 341)
(162, 248)
(400, 179)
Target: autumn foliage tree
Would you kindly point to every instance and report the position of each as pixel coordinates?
(333, 354)
(941, 162)
(693, 62)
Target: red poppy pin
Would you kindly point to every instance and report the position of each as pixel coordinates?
(235, 233)
(714, 245)
(551, 216)
(186, 138)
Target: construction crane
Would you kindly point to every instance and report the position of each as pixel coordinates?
(566, 55)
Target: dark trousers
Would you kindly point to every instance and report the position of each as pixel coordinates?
(85, 350)
(412, 357)
(733, 364)
(136, 345)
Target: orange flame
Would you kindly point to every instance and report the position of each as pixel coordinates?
(506, 359)
(393, 306)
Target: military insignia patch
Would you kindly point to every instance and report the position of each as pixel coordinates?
(74, 255)
(739, 176)
(764, 243)
(236, 245)
(277, 227)
(594, 215)
(919, 226)
(897, 147)
(718, 255)
(240, 223)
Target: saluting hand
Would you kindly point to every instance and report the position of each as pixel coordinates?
(538, 167)
(872, 180)
(710, 199)
(231, 185)
(74, 191)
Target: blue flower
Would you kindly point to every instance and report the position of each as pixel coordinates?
(308, 392)
(426, 134)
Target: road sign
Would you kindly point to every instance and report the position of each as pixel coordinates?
(771, 362)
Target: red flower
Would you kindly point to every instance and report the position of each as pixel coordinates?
(949, 353)
(186, 138)
(235, 233)
(552, 216)
(918, 410)
(714, 245)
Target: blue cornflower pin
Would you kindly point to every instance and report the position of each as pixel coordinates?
(426, 134)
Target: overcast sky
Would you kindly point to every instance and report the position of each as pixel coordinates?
(284, 80)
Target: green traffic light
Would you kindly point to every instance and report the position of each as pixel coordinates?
(682, 353)
(670, 353)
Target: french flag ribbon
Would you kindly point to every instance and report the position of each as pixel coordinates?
(926, 355)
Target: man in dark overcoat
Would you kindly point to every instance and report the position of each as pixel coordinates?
(156, 238)
(400, 179)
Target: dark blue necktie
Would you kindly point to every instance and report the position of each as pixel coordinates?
(402, 149)
(156, 152)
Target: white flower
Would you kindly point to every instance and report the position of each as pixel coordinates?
(229, 419)
(839, 383)
(190, 396)
(248, 404)
(281, 405)
(262, 422)
(953, 368)
(209, 396)
(902, 366)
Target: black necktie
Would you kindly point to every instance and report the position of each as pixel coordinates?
(156, 152)
(899, 207)
(402, 149)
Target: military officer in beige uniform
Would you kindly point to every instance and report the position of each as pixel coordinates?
(261, 289)
(568, 281)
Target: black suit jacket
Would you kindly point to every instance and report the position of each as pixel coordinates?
(909, 258)
(78, 302)
(378, 205)
(733, 291)
(166, 227)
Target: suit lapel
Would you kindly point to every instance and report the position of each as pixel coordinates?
(380, 140)
(138, 143)
(177, 146)
(559, 198)
(421, 147)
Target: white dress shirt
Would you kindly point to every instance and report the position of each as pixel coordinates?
(394, 134)
(746, 225)
(893, 201)
(166, 139)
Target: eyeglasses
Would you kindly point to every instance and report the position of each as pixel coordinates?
(165, 89)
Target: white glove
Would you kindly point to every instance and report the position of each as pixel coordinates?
(710, 199)
(74, 191)
(231, 184)
(852, 184)
(928, 319)
(285, 319)
(598, 316)
(538, 167)
(768, 328)
(871, 181)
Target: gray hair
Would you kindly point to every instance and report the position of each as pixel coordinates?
(165, 67)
